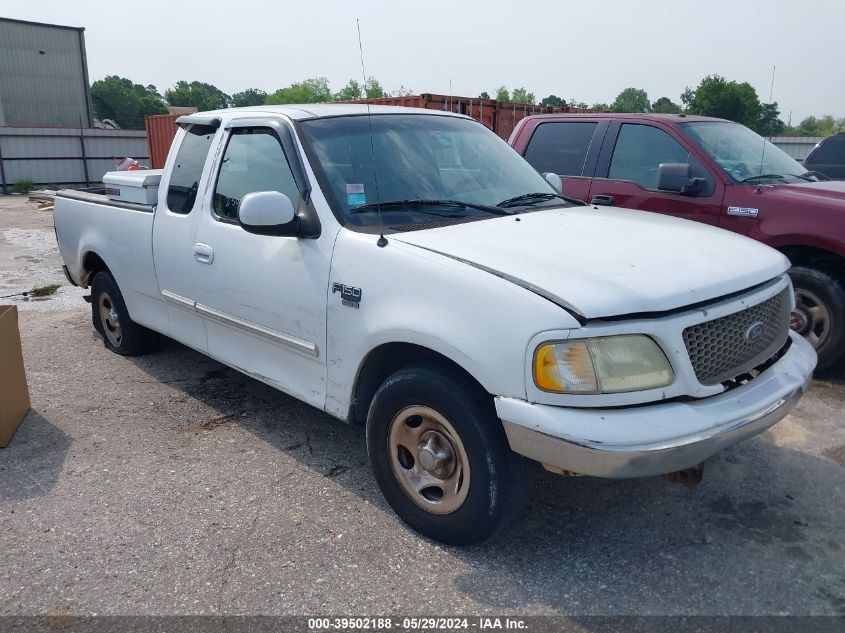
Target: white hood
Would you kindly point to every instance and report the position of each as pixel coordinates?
(608, 262)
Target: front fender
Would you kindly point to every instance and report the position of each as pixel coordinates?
(479, 321)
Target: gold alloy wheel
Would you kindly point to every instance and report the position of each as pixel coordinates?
(110, 319)
(428, 459)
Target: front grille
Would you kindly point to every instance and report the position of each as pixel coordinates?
(720, 349)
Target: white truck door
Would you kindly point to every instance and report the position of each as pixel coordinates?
(263, 297)
(174, 228)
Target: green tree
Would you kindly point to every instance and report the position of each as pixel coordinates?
(600, 107)
(574, 103)
(502, 94)
(716, 96)
(374, 89)
(314, 90)
(197, 94)
(820, 126)
(350, 91)
(484, 95)
(402, 91)
(124, 102)
(664, 105)
(249, 97)
(553, 101)
(769, 123)
(521, 95)
(631, 100)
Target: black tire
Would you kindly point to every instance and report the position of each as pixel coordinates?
(498, 478)
(823, 286)
(133, 339)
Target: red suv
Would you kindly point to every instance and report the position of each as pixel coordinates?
(713, 171)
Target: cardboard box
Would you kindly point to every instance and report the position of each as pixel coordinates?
(14, 394)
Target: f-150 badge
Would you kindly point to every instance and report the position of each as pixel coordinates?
(746, 212)
(349, 295)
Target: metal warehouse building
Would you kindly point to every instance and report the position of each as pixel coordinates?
(43, 75)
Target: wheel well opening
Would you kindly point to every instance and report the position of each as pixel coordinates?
(813, 257)
(385, 360)
(93, 263)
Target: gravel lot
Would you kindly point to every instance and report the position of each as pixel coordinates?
(169, 484)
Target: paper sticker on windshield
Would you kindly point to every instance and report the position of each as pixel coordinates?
(747, 212)
(355, 195)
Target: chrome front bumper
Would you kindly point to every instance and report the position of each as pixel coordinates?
(657, 439)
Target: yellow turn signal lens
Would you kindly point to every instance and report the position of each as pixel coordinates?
(564, 367)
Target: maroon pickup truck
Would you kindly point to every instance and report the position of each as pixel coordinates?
(712, 171)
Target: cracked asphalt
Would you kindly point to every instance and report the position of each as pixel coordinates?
(169, 484)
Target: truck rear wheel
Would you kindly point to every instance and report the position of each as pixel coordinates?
(111, 319)
(819, 313)
(441, 457)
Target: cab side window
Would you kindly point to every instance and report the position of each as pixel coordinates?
(253, 161)
(187, 170)
(560, 148)
(639, 151)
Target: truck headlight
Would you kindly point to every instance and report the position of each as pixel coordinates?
(604, 364)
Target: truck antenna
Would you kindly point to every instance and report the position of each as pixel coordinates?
(771, 91)
(382, 240)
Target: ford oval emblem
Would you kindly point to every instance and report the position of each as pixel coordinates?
(755, 332)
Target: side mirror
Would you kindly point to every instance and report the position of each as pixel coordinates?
(266, 213)
(555, 181)
(677, 177)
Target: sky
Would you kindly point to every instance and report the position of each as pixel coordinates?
(587, 51)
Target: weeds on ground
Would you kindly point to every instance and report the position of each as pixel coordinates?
(39, 292)
(24, 185)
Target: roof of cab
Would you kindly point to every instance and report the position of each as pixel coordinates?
(627, 116)
(309, 111)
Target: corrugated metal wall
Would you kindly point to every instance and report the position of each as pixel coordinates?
(43, 75)
(499, 116)
(62, 156)
(796, 146)
(161, 130)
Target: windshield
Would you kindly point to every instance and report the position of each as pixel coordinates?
(743, 154)
(416, 158)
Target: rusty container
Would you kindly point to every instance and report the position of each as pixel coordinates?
(498, 116)
(161, 130)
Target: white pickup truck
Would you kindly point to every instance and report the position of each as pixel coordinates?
(406, 269)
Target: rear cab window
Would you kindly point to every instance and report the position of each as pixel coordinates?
(186, 173)
(561, 147)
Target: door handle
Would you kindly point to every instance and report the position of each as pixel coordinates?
(203, 253)
(606, 201)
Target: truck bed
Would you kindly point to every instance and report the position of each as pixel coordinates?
(92, 228)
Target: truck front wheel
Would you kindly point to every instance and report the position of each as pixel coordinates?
(111, 319)
(819, 312)
(441, 457)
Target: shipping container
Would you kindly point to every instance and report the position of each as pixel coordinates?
(161, 129)
(499, 116)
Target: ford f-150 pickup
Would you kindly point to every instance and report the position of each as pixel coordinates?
(407, 270)
(713, 171)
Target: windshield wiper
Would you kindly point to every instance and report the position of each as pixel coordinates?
(775, 176)
(808, 176)
(533, 198)
(457, 204)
